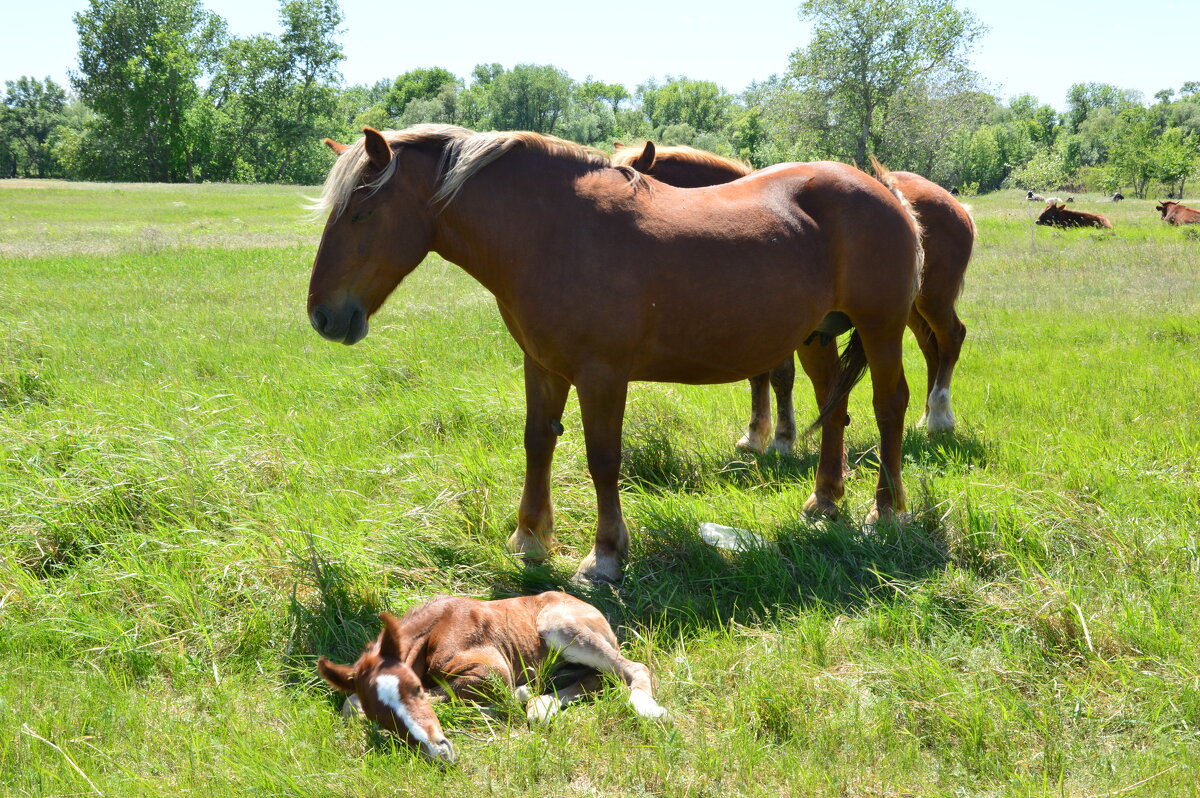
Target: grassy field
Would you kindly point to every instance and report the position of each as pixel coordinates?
(198, 496)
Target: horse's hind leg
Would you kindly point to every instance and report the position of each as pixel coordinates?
(602, 407)
(929, 348)
(820, 362)
(541, 708)
(759, 429)
(588, 640)
(884, 348)
(545, 397)
(949, 333)
(783, 379)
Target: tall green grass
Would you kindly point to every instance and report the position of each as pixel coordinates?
(198, 496)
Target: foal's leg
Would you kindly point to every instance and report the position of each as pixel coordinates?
(759, 429)
(588, 640)
(820, 362)
(545, 397)
(539, 709)
(884, 349)
(929, 348)
(602, 406)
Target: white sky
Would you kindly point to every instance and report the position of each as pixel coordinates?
(1035, 46)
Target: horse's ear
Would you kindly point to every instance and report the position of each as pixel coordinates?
(341, 677)
(617, 145)
(389, 639)
(377, 148)
(337, 148)
(645, 161)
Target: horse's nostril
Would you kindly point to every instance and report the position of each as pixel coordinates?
(319, 319)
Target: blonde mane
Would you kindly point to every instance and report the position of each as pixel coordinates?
(464, 153)
(624, 156)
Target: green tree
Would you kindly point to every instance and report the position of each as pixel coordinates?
(700, 104)
(416, 84)
(592, 91)
(310, 54)
(1177, 158)
(1132, 145)
(139, 61)
(529, 97)
(1083, 99)
(863, 53)
(33, 111)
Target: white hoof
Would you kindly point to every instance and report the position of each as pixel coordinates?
(541, 709)
(597, 568)
(645, 705)
(939, 417)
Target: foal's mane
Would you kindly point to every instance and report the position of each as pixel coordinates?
(464, 153)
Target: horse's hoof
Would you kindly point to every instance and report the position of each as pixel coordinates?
(598, 570)
(531, 547)
(821, 507)
(781, 447)
(541, 709)
(752, 443)
(645, 705)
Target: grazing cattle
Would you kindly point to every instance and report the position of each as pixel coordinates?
(1178, 214)
(1031, 197)
(1058, 216)
(604, 277)
(948, 236)
(467, 647)
(1117, 196)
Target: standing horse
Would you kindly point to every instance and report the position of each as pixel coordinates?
(604, 277)
(463, 646)
(947, 236)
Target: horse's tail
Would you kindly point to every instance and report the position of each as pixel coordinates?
(884, 176)
(852, 365)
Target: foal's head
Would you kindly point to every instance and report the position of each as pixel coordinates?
(387, 681)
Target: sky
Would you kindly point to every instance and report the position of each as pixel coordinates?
(1040, 47)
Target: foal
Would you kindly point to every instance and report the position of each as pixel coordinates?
(462, 646)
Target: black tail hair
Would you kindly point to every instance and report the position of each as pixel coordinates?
(852, 365)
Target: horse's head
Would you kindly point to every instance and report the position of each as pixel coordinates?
(387, 681)
(379, 229)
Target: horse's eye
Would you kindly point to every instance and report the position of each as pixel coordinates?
(360, 215)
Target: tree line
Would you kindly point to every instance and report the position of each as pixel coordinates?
(163, 92)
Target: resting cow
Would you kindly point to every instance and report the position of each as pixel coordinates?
(1178, 214)
(1058, 216)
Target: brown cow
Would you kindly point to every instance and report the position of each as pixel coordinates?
(1055, 215)
(1178, 214)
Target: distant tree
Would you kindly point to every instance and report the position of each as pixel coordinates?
(528, 97)
(416, 84)
(1177, 157)
(591, 91)
(1083, 99)
(863, 53)
(701, 104)
(33, 110)
(310, 54)
(1132, 149)
(139, 62)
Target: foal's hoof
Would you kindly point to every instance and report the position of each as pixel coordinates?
(597, 569)
(542, 708)
(820, 506)
(645, 705)
(529, 546)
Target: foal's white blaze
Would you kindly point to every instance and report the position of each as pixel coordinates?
(387, 687)
(940, 417)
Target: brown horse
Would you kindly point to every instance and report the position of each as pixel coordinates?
(948, 236)
(463, 646)
(604, 277)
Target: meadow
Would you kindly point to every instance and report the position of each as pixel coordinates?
(198, 496)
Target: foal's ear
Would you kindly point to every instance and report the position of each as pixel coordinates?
(337, 148)
(377, 148)
(389, 640)
(645, 161)
(341, 677)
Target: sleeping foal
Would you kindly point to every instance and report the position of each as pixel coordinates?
(464, 646)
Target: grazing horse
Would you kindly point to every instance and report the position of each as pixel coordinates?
(948, 236)
(1176, 214)
(1058, 216)
(604, 276)
(464, 647)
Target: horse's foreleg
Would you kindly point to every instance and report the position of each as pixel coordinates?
(783, 379)
(602, 406)
(759, 429)
(545, 397)
(820, 362)
(884, 353)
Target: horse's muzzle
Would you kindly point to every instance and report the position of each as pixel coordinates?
(347, 325)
